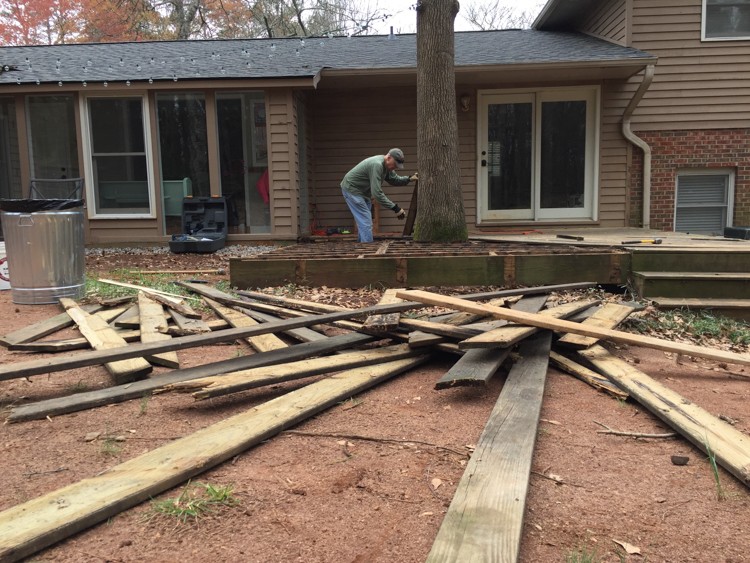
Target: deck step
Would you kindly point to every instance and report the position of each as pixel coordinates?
(735, 308)
(711, 285)
(663, 259)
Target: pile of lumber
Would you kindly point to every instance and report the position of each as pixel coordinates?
(484, 332)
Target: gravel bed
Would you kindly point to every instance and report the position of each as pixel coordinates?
(232, 251)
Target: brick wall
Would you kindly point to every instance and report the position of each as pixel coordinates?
(673, 151)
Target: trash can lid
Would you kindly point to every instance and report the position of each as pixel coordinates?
(32, 205)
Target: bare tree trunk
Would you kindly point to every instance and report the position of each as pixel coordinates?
(440, 214)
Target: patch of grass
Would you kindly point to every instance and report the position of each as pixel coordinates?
(720, 493)
(195, 500)
(143, 404)
(160, 282)
(77, 387)
(582, 554)
(111, 447)
(698, 327)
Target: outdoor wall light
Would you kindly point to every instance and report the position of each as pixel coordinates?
(465, 99)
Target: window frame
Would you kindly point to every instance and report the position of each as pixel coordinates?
(88, 155)
(728, 172)
(591, 94)
(704, 20)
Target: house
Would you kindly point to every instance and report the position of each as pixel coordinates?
(687, 161)
(556, 124)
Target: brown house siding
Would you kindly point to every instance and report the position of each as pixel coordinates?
(282, 161)
(608, 21)
(697, 85)
(348, 126)
(674, 151)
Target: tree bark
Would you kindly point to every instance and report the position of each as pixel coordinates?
(440, 212)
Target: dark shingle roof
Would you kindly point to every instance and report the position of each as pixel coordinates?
(291, 58)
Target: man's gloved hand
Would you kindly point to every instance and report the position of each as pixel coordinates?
(414, 177)
(400, 213)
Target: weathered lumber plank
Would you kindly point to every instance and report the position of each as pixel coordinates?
(476, 367)
(129, 318)
(302, 334)
(188, 325)
(319, 307)
(589, 376)
(386, 322)
(153, 324)
(577, 328)
(261, 343)
(609, 316)
(38, 523)
(509, 335)
(730, 447)
(35, 367)
(102, 337)
(216, 386)
(485, 519)
(43, 328)
(69, 344)
(136, 390)
(178, 306)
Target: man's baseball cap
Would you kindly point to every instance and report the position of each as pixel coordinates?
(398, 156)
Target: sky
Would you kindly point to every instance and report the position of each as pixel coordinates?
(404, 19)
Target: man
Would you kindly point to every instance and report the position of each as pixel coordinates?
(363, 183)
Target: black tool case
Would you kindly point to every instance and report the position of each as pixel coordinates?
(204, 225)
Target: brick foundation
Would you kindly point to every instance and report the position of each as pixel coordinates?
(673, 151)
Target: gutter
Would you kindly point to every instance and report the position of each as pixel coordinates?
(640, 143)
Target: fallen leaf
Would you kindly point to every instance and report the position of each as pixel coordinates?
(629, 548)
(436, 483)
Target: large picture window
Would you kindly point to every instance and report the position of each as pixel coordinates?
(117, 156)
(726, 19)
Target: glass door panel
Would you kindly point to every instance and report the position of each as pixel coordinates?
(52, 137)
(183, 151)
(563, 162)
(243, 157)
(507, 149)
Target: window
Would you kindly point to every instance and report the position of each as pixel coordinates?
(704, 201)
(726, 19)
(52, 137)
(538, 154)
(117, 157)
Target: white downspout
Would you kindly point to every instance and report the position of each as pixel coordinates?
(640, 143)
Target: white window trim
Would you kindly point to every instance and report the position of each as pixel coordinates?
(87, 155)
(589, 212)
(707, 172)
(703, 28)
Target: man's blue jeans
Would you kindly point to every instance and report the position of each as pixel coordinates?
(360, 208)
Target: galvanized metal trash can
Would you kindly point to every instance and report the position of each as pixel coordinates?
(44, 244)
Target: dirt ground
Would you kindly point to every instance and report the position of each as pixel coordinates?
(330, 495)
